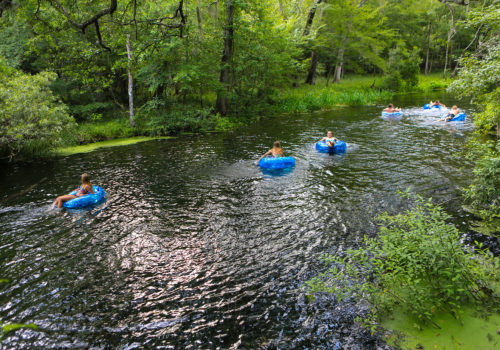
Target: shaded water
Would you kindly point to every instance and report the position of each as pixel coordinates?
(196, 248)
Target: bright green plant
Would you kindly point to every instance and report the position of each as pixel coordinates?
(417, 262)
(484, 192)
(32, 119)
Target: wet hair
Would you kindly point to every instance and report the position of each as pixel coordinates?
(390, 105)
(85, 178)
(437, 101)
(277, 144)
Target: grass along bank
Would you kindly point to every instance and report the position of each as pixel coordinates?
(66, 151)
(351, 91)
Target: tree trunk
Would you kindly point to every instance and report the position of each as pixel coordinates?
(328, 73)
(198, 17)
(311, 74)
(222, 102)
(310, 17)
(428, 49)
(338, 67)
(130, 85)
(451, 33)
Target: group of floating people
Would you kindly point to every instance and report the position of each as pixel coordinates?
(87, 194)
(274, 159)
(454, 114)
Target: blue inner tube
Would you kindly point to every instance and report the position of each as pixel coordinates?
(460, 117)
(277, 162)
(428, 106)
(392, 115)
(86, 200)
(339, 147)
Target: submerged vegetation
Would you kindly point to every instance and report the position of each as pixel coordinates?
(10, 327)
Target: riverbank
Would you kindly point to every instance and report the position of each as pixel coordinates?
(351, 91)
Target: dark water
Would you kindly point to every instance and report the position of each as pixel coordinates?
(196, 248)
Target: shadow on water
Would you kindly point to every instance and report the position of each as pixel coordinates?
(196, 247)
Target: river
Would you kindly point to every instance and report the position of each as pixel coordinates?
(196, 247)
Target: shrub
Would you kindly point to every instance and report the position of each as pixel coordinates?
(32, 119)
(417, 262)
(392, 82)
(484, 192)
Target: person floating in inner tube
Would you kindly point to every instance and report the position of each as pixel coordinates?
(453, 113)
(436, 103)
(275, 152)
(84, 189)
(390, 109)
(329, 139)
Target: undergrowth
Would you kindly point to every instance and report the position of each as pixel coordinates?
(416, 262)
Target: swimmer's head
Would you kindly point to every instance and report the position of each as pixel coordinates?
(85, 178)
(390, 105)
(329, 133)
(454, 107)
(277, 144)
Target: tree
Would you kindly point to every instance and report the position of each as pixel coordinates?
(222, 100)
(33, 121)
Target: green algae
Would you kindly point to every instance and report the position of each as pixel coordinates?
(474, 331)
(66, 151)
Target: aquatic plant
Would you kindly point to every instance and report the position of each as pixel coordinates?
(416, 262)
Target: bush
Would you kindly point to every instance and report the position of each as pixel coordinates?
(32, 119)
(392, 82)
(157, 120)
(417, 262)
(406, 63)
(484, 192)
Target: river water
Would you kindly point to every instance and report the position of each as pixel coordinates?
(196, 247)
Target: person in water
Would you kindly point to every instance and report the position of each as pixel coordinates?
(436, 103)
(329, 139)
(390, 109)
(276, 152)
(453, 113)
(84, 189)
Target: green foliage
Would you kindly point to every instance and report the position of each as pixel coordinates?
(160, 122)
(406, 63)
(484, 192)
(478, 78)
(417, 262)
(291, 101)
(99, 131)
(32, 119)
(393, 82)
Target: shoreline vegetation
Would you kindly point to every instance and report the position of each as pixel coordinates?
(352, 91)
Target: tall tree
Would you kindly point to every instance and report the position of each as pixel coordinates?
(222, 105)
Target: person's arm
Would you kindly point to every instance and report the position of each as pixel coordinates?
(265, 154)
